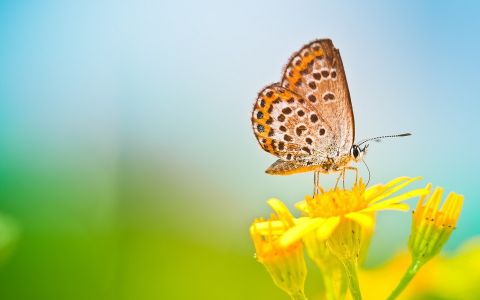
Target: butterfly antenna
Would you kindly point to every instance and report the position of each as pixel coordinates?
(378, 138)
(368, 169)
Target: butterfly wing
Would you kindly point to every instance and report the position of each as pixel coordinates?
(316, 74)
(286, 125)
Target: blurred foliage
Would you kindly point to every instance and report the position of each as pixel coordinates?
(8, 236)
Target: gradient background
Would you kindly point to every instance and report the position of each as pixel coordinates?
(127, 161)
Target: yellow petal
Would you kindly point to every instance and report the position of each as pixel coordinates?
(397, 180)
(374, 191)
(300, 220)
(302, 206)
(393, 189)
(433, 204)
(275, 227)
(326, 229)
(399, 198)
(281, 210)
(396, 206)
(451, 209)
(458, 208)
(297, 232)
(421, 202)
(365, 220)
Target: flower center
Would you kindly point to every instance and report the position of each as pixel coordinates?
(337, 202)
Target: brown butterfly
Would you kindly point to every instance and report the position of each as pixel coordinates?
(307, 120)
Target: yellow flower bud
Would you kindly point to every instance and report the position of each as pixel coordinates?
(432, 226)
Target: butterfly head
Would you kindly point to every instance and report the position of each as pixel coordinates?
(357, 152)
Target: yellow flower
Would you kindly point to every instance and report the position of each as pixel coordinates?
(286, 265)
(432, 226)
(325, 211)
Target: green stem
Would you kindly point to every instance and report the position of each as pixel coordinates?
(298, 296)
(333, 278)
(328, 284)
(407, 277)
(351, 271)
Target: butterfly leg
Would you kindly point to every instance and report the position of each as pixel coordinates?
(317, 189)
(316, 183)
(342, 172)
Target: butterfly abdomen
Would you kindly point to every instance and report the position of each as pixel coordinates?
(282, 167)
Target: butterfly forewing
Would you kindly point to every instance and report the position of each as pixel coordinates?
(316, 74)
(288, 125)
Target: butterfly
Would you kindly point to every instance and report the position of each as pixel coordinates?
(307, 120)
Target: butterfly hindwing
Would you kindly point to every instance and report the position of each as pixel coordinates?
(288, 126)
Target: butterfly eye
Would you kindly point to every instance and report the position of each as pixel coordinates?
(355, 151)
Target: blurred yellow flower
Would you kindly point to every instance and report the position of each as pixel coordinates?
(286, 265)
(447, 276)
